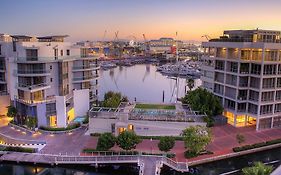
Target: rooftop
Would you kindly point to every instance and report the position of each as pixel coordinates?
(256, 35)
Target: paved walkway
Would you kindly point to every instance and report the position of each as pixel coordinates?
(224, 139)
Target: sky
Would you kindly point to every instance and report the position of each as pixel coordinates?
(88, 19)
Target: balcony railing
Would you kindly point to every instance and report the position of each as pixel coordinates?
(85, 78)
(32, 87)
(85, 67)
(34, 102)
(4, 93)
(35, 71)
(50, 59)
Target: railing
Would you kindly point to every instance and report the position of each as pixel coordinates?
(35, 71)
(91, 66)
(34, 102)
(85, 78)
(4, 93)
(32, 87)
(48, 59)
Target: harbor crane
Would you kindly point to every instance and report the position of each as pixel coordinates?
(206, 36)
(146, 44)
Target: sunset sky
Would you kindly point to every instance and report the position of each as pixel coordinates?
(88, 19)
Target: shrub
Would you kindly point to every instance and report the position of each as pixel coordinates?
(106, 141)
(240, 138)
(166, 143)
(95, 134)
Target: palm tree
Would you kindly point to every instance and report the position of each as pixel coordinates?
(190, 83)
(258, 169)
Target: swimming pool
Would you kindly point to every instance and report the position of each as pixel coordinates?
(79, 119)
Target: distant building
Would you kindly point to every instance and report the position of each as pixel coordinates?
(47, 78)
(243, 69)
(164, 45)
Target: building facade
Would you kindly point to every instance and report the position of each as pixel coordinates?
(243, 69)
(48, 79)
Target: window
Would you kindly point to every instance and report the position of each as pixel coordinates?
(51, 67)
(51, 79)
(67, 52)
(0, 50)
(61, 52)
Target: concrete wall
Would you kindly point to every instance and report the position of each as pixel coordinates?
(141, 127)
(41, 114)
(61, 111)
(81, 102)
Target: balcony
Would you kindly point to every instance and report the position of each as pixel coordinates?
(2, 68)
(85, 68)
(52, 59)
(2, 80)
(33, 88)
(32, 73)
(2, 93)
(35, 102)
(84, 79)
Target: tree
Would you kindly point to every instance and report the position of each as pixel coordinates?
(106, 141)
(12, 111)
(166, 143)
(128, 140)
(113, 99)
(240, 138)
(258, 169)
(190, 83)
(205, 102)
(196, 138)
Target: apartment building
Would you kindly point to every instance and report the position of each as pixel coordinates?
(243, 69)
(48, 79)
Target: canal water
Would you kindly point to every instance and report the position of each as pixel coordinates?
(142, 82)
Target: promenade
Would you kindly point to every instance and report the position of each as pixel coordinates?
(72, 144)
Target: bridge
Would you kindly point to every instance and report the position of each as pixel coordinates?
(148, 164)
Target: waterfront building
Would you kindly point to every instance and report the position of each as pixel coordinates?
(47, 78)
(243, 69)
(144, 122)
(164, 45)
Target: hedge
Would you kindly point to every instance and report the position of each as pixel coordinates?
(91, 150)
(178, 138)
(70, 127)
(256, 145)
(188, 154)
(20, 149)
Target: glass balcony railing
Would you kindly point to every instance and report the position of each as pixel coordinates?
(32, 87)
(85, 78)
(50, 59)
(85, 67)
(34, 71)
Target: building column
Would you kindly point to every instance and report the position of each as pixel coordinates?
(235, 117)
(272, 120)
(257, 124)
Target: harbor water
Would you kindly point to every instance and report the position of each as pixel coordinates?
(143, 83)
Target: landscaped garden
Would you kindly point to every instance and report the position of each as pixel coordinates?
(155, 106)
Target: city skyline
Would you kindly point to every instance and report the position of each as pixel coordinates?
(87, 20)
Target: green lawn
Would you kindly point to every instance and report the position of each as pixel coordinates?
(155, 106)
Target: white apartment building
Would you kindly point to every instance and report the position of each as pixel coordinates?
(47, 78)
(243, 68)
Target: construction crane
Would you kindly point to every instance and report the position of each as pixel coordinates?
(146, 43)
(206, 36)
(101, 43)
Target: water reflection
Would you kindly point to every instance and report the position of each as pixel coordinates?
(141, 82)
(12, 169)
